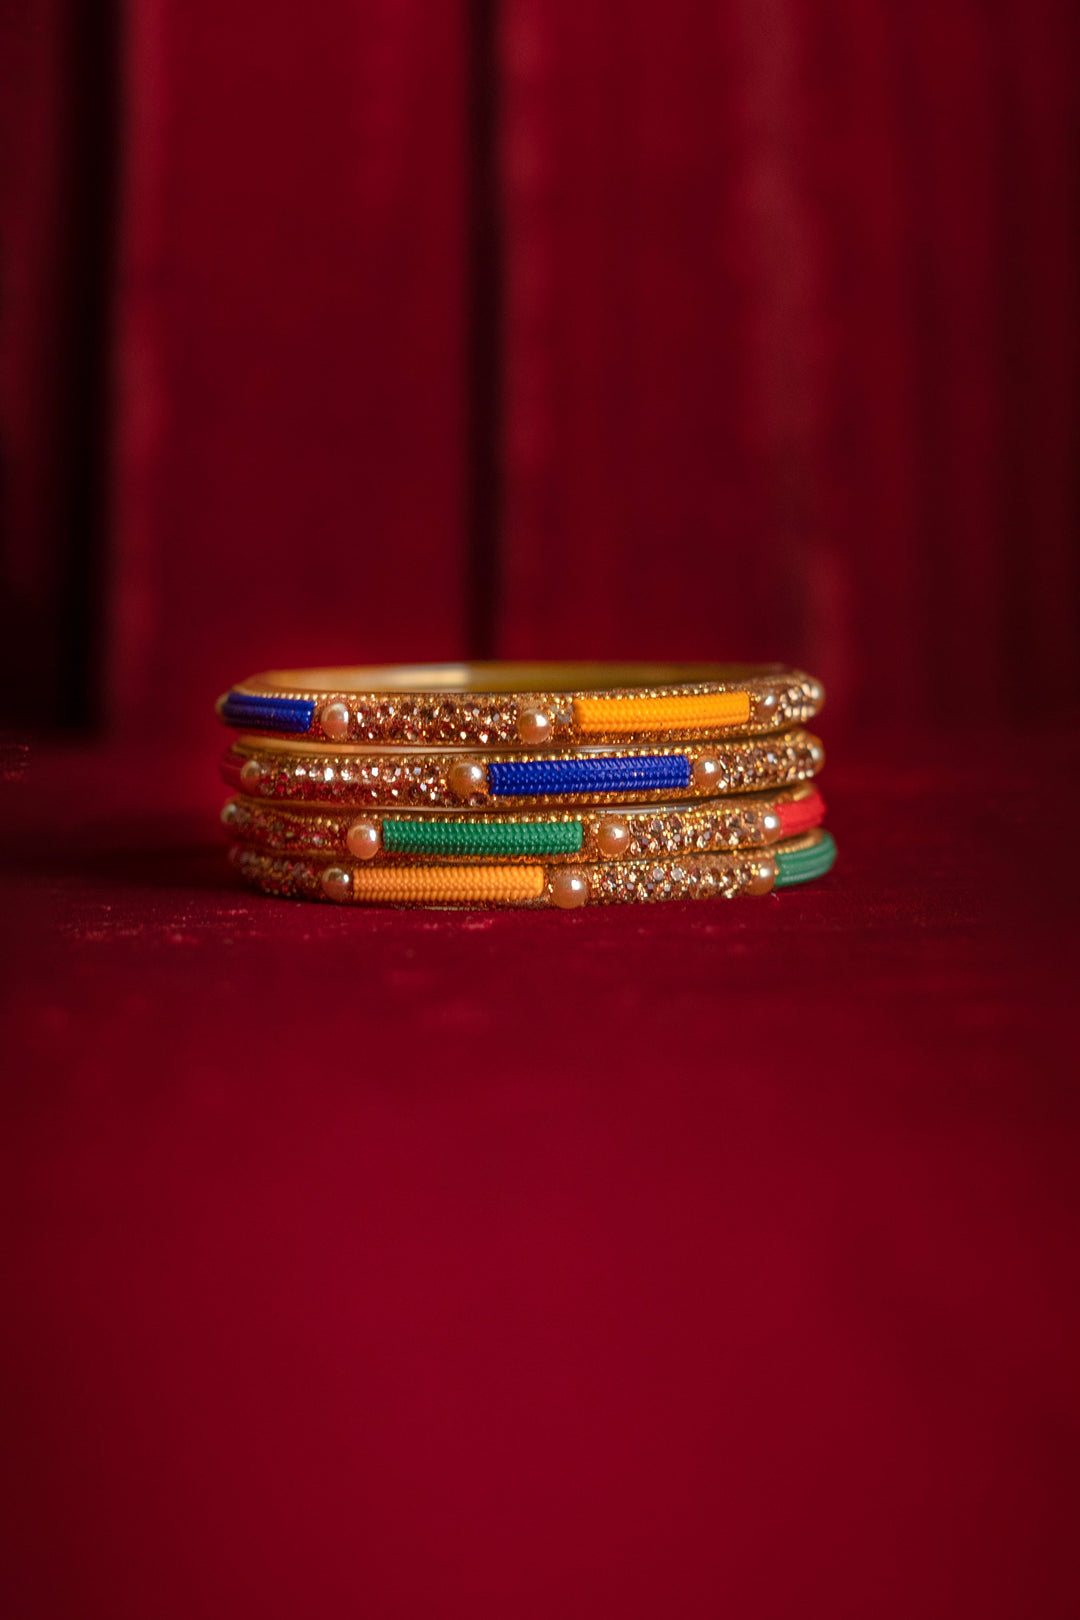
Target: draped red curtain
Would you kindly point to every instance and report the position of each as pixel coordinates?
(780, 310)
(692, 1261)
(793, 341)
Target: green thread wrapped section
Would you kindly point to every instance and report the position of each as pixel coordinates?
(482, 838)
(801, 865)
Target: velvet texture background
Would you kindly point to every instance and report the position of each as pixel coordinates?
(783, 297)
(622, 1263)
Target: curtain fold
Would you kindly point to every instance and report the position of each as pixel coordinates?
(786, 342)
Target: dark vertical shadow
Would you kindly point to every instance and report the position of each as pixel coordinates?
(84, 430)
(484, 331)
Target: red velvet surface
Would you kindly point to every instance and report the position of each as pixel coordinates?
(686, 1262)
(690, 1260)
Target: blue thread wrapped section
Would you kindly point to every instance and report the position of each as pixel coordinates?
(514, 778)
(267, 713)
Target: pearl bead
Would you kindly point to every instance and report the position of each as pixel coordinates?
(817, 755)
(534, 727)
(467, 778)
(612, 835)
(569, 888)
(765, 707)
(336, 883)
(815, 693)
(764, 876)
(334, 720)
(771, 826)
(229, 813)
(708, 773)
(364, 839)
(250, 774)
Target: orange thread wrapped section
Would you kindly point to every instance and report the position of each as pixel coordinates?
(594, 714)
(435, 883)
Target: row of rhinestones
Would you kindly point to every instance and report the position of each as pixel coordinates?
(669, 832)
(700, 877)
(445, 719)
(770, 762)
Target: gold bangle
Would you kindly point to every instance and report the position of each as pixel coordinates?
(693, 877)
(681, 877)
(416, 779)
(559, 836)
(515, 705)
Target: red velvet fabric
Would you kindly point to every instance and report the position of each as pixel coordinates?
(792, 309)
(289, 480)
(789, 313)
(692, 1260)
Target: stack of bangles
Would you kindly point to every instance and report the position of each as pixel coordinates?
(525, 785)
